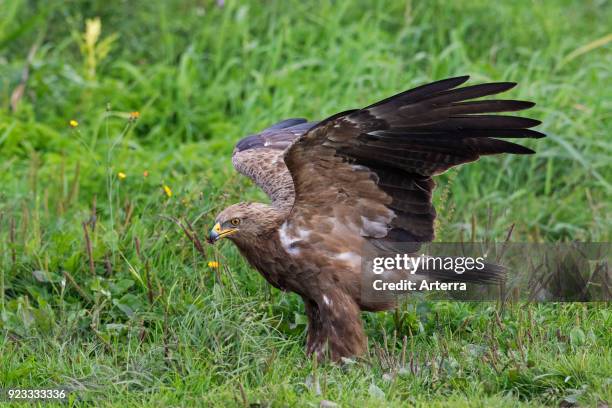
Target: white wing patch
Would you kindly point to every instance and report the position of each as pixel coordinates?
(289, 237)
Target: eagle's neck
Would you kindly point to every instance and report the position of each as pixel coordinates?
(263, 250)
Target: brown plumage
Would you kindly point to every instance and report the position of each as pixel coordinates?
(359, 179)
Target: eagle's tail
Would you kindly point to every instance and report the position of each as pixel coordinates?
(489, 274)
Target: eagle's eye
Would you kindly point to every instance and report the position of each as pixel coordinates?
(235, 221)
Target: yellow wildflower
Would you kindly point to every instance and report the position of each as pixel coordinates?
(73, 123)
(167, 190)
(134, 115)
(145, 173)
(213, 264)
(121, 175)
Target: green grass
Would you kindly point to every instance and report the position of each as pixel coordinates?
(152, 324)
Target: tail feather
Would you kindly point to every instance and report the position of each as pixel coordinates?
(490, 274)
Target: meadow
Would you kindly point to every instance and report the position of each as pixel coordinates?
(117, 123)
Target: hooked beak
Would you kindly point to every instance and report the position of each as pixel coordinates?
(217, 233)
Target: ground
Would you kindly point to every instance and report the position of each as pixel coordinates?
(136, 114)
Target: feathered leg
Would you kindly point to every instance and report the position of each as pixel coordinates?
(334, 327)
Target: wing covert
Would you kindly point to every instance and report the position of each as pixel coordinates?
(259, 157)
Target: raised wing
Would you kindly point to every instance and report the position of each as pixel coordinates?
(259, 157)
(370, 169)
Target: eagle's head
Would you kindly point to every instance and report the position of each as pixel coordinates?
(243, 222)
